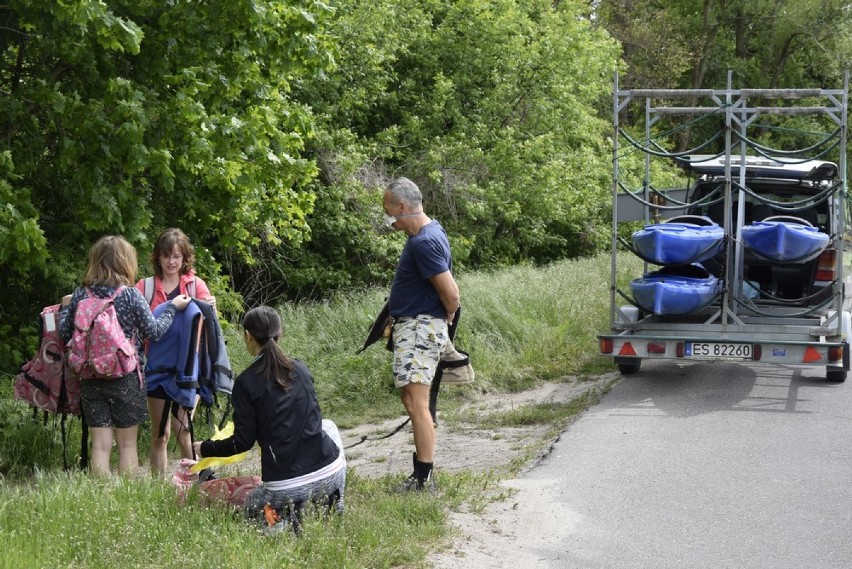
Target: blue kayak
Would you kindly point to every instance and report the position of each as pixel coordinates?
(784, 240)
(667, 293)
(678, 243)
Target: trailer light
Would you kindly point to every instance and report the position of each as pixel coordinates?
(757, 352)
(606, 345)
(826, 266)
(811, 355)
(654, 348)
(627, 350)
(835, 353)
(679, 349)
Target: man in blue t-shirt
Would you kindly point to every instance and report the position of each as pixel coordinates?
(423, 301)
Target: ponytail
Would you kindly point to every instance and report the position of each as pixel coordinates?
(264, 325)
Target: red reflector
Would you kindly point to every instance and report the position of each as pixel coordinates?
(826, 264)
(627, 350)
(606, 345)
(679, 349)
(835, 354)
(757, 352)
(656, 348)
(811, 355)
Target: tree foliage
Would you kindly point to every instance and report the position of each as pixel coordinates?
(138, 115)
(766, 43)
(267, 129)
(714, 44)
(490, 106)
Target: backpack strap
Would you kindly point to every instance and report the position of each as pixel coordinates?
(117, 292)
(191, 432)
(149, 290)
(164, 420)
(114, 295)
(171, 408)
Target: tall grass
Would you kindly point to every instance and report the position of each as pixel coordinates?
(521, 326)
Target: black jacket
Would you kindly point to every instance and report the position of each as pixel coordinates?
(286, 424)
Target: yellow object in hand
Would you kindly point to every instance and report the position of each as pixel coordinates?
(211, 461)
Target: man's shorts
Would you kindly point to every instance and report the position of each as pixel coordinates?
(418, 343)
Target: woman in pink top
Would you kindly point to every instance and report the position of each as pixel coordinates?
(173, 258)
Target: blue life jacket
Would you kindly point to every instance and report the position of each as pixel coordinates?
(173, 359)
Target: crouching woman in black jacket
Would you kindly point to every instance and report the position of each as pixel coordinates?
(275, 405)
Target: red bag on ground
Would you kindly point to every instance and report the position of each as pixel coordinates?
(230, 491)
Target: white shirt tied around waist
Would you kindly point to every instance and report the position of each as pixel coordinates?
(311, 477)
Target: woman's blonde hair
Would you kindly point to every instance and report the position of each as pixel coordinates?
(112, 262)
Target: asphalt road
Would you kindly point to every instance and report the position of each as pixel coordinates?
(709, 465)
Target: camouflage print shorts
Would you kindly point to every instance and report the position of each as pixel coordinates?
(417, 347)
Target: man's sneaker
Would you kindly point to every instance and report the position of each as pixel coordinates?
(411, 484)
(420, 479)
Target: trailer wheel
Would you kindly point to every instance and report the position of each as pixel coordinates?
(835, 375)
(629, 366)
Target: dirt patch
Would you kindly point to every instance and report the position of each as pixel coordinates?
(462, 443)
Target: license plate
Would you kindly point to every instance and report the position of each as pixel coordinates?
(718, 351)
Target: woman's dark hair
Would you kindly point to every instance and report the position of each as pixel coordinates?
(264, 325)
(164, 246)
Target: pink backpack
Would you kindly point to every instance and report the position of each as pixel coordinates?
(44, 381)
(99, 349)
(47, 383)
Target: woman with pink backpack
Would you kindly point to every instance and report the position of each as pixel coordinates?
(113, 390)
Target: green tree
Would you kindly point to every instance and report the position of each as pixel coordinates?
(764, 43)
(132, 116)
(694, 43)
(489, 105)
(267, 130)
